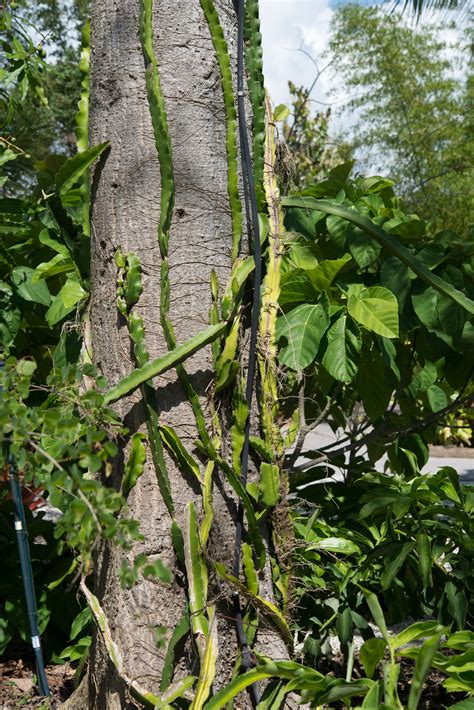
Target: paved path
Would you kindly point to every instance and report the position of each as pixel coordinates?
(463, 464)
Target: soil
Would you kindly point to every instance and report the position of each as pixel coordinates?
(18, 690)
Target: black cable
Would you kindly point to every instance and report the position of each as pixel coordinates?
(26, 568)
(252, 219)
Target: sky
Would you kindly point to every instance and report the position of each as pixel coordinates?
(287, 27)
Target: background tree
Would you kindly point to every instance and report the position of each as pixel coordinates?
(311, 154)
(42, 120)
(413, 109)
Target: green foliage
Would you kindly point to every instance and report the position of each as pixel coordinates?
(53, 570)
(381, 531)
(412, 109)
(374, 323)
(306, 134)
(40, 84)
(377, 322)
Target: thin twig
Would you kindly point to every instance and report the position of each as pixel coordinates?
(306, 429)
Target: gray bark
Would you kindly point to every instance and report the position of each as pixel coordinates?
(125, 210)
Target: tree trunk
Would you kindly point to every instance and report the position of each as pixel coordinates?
(125, 214)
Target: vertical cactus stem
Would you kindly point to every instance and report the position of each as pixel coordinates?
(255, 82)
(270, 291)
(223, 60)
(162, 137)
(129, 289)
(196, 573)
(208, 664)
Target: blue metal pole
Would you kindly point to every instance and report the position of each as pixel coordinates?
(26, 569)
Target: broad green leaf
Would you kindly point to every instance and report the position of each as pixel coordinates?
(74, 168)
(457, 604)
(426, 306)
(437, 398)
(7, 154)
(439, 314)
(456, 684)
(391, 244)
(302, 257)
(64, 302)
(303, 677)
(393, 562)
(336, 544)
(26, 367)
(371, 653)
(421, 629)
(372, 699)
(29, 291)
(343, 347)
(303, 327)
(72, 292)
(375, 308)
(80, 622)
(69, 569)
(373, 382)
(77, 650)
(340, 689)
(236, 686)
(296, 287)
(344, 625)
(281, 112)
(422, 668)
(460, 663)
(395, 275)
(164, 363)
(363, 248)
(59, 264)
(413, 228)
(460, 640)
(377, 613)
(10, 316)
(324, 274)
(337, 228)
(467, 704)
(423, 547)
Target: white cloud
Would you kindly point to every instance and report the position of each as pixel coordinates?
(287, 27)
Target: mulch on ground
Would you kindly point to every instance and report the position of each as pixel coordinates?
(19, 692)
